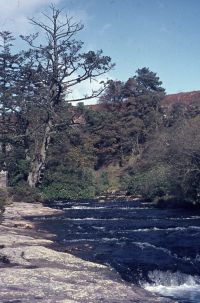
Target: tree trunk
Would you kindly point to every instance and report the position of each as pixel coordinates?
(38, 162)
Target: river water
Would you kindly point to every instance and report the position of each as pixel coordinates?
(157, 249)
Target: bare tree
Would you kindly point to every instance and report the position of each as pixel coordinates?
(56, 68)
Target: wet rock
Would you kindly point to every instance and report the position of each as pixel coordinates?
(36, 273)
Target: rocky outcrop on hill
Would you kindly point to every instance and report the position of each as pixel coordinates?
(33, 272)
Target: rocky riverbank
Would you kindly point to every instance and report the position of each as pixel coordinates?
(32, 272)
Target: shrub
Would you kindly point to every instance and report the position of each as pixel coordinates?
(64, 191)
(102, 183)
(63, 184)
(18, 170)
(3, 199)
(151, 183)
(23, 192)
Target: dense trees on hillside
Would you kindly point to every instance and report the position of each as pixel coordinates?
(54, 150)
(137, 109)
(158, 148)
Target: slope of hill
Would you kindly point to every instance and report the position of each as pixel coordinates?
(186, 98)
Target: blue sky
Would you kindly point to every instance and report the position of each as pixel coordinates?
(163, 35)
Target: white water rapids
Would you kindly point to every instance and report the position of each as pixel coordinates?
(177, 285)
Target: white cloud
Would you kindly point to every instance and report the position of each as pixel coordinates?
(14, 13)
(86, 87)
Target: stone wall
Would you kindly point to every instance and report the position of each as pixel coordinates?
(3, 179)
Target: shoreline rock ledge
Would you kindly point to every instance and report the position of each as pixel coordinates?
(33, 272)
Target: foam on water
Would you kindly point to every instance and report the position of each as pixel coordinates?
(79, 207)
(145, 245)
(94, 219)
(94, 240)
(161, 229)
(177, 285)
(185, 218)
(102, 228)
(84, 207)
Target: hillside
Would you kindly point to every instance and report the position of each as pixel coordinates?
(187, 98)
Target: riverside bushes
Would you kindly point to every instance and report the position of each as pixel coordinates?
(151, 183)
(170, 166)
(23, 193)
(68, 182)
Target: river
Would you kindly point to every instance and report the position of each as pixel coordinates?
(154, 248)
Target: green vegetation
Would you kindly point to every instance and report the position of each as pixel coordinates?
(151, 183)
(3, 199)
(129, 142)
(23, 192)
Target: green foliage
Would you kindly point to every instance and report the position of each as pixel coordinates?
(69, 167)
(68, 184)
(151, 183)
(148, 81)
(104, 179)
(171, 164)
(184, 145)
(136, 114)
(23, 192)
(18, 169)
(3, 199)
(102, 183)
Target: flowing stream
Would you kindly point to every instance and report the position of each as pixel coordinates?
(157, 249)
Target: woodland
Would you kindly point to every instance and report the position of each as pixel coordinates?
(129, 141)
